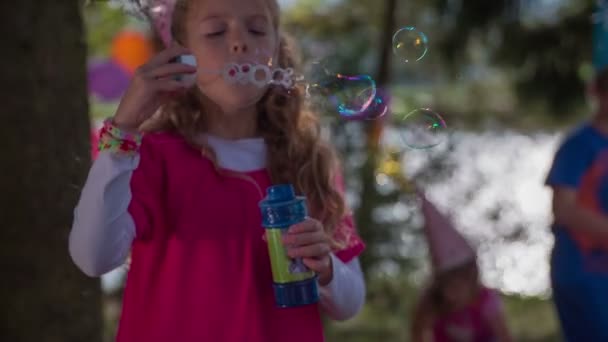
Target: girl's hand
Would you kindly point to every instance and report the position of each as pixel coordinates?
(150, 81)
(308, 240)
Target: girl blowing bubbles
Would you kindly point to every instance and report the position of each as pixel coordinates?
(455, 307)
(200, 269)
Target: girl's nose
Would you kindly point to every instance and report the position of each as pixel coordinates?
(239, 47)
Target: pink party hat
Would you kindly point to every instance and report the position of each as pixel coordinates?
(160, 13)
(447, 247)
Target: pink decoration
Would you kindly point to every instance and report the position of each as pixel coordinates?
(160, 12)
(94, 143)
(447, 247)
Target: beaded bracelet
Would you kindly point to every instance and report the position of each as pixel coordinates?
(113, 139)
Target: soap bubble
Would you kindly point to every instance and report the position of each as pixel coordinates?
(410, 44)
(423, 129)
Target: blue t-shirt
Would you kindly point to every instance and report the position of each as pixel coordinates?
(579, 263)
(581, 163)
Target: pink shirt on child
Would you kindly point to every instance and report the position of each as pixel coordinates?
(471, 324)
(200, 269)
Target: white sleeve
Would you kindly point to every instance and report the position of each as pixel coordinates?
(103, 230)
(344, 296)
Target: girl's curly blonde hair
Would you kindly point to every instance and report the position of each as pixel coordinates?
(296, 152)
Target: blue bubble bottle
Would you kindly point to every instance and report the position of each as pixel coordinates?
(294, 284)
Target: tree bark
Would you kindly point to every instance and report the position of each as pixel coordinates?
(44, 139)
(369, 194)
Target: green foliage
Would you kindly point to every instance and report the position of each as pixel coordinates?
(550, 56)
(385, 317)
(543, 57)
(100, 110)
(531, 319)
(102, 24)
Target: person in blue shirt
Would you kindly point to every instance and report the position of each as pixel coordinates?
(579, 180)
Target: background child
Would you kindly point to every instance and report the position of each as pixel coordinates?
(184, 200)
(579, 180)
(455, 306)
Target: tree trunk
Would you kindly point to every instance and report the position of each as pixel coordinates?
(44, 139)
(369, 194)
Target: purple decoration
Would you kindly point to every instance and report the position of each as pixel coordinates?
(107, 80)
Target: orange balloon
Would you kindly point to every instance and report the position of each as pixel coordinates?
(131, 49)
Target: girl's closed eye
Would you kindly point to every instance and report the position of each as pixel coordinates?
(256, 32)
(215, 34)
(213, 29)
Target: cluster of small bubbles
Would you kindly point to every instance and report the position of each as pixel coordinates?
(259, 75)
(259, 71)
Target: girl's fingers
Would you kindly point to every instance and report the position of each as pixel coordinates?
(309, 225)
(168, 85)
(316, 264)
(170, 69)
(310, 251)
(303, 239)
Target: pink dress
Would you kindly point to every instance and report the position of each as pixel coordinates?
(470, 324)
(200, 269)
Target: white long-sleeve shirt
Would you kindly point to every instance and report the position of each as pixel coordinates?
(103, 230)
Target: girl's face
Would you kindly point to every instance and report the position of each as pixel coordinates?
(230, 31)
(458, 289)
